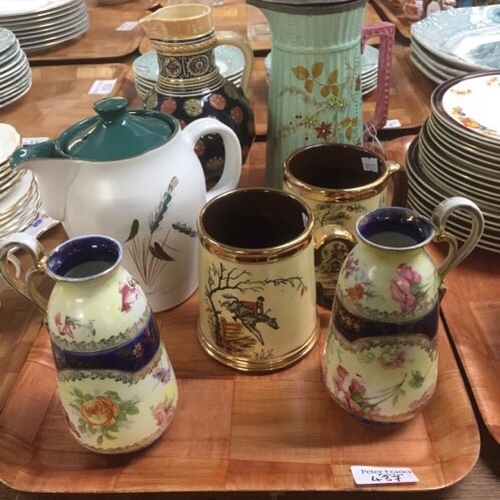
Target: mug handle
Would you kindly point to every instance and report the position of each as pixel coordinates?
(232, 161)
(386, 31)
(439, 217)
(232, 38)
(25, 286)
(399, 177)
(343, 241)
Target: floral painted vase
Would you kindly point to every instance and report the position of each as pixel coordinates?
(190, 85)
(315, 93)
(116, 384)
(380, 363)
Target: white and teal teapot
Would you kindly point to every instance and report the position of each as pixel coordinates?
(134, 176)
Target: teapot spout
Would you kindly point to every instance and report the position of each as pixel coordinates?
(54, 174)
(44, 149)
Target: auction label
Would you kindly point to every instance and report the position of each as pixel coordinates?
(365, 474)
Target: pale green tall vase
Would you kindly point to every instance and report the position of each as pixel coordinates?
(315, 82)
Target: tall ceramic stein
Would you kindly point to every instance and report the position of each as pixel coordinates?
(381, 359)
(190, 85)
(315, 84)
(116, 384)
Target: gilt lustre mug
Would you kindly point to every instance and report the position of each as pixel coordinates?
(257, 291)
(338, 182)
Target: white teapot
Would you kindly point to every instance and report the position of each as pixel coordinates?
(134, 176)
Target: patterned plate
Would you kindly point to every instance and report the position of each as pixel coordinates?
(468, 37)
(470, 106)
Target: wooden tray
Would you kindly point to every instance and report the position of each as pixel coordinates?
(136, 4)
(232, 431)
(394, 13)
(102, 41)
(59, 97)
(472, 310)
(232, 16)
(410, 112)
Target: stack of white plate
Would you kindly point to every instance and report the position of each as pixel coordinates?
(369, 68)
(229, 59)
(457, 153)
(15, 71)
(19, 194)
(455, 42)
(42, 24)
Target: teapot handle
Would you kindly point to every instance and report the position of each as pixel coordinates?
(231, 38)
(440, 216)
(25, 287)
(232, 163)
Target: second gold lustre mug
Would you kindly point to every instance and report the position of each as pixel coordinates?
(339, 182)
(257, 296)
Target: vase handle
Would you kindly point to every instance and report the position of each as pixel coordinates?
(25, 286)
(456, 253)
(232, 38)
(386, 31)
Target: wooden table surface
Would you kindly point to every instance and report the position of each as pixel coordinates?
(59, 97)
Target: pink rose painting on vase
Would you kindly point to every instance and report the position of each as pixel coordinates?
(406, 288)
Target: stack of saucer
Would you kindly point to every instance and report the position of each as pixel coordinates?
(369, 69)
(229, 60)
(19, 194)
(42, 24)
(15, 71)
(457, 153)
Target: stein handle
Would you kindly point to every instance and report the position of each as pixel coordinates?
(331, 235)
(439, 217)
(232, 38)
(25, 287)
(399, 183)
(386, 31)
(232, 149)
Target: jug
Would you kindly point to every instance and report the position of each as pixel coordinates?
(380, 363)
(190, 85)
(116, 384)
(315, 83)
(134, 176)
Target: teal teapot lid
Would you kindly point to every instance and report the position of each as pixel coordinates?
(115, 133)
